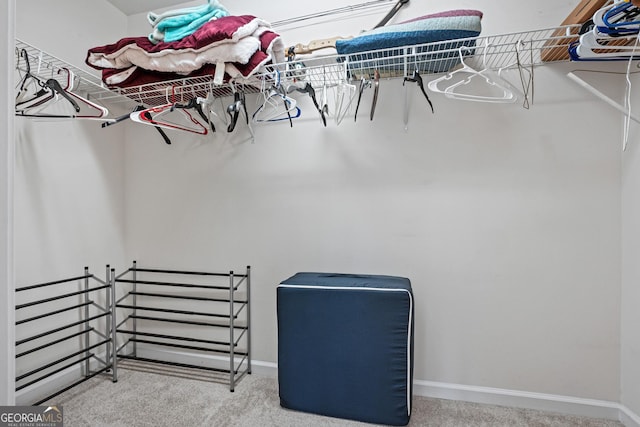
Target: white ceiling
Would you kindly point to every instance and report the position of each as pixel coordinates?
(131, 7)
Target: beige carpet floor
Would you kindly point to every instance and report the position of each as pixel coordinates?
(176, 399)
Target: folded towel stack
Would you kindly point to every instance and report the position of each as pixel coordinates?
(176, 24)
(228, 47)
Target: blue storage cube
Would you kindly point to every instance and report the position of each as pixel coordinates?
(345, 346)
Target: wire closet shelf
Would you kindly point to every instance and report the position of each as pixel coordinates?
(530, 48)
(47, 66)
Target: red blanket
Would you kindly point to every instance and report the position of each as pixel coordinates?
(240, 44)
(135, 76)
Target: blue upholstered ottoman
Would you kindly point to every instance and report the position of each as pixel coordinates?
(345, 346)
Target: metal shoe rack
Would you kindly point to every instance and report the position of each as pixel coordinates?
(202, 312)
(75, 326)
(79, 317)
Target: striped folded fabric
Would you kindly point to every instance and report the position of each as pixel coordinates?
(448, 25)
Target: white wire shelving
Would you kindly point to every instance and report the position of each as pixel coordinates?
(530, 48)
(47, 66)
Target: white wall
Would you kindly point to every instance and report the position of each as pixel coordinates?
(630, 365)
(507, 221)
(69, 173)
(7, 336)
(499, 17)
(69, 188)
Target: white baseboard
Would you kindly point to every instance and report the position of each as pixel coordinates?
(35, 392)
(486, 395)
(54, 383)
(628, 418)
(520, 399)
(545, 402)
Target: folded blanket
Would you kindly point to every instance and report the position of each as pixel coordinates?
(271, 50)
(155, 18)
(228, 39)
(449, 25)
(136, 76)
(177, 24)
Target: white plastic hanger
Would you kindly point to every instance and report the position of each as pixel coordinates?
(165, 116)
(455, 91)
(616, 16)
(88, 109)
(598, 16)
(324, 106)
(590, 42)
(276, 104)
(345, 92)
(611, 38)
(45, 103)
(169, 117)
(208, 105)
(276, 107)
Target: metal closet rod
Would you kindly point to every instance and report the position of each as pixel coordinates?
(590, 88)
(331, 12)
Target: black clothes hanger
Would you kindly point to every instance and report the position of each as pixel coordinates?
(27, 75)
(234, 110)
(312, 93)
(41, 92)
(159, 129)
(55, 85)
(48, 92)
(165, 116)
(45, 94)
(270, 110)
(128, 116)
(195, 105)
(417, 78)
(396, 8)
(376, 88)
(364, 83)
(42, 96)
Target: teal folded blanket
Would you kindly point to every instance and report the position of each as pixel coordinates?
(177, 24)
